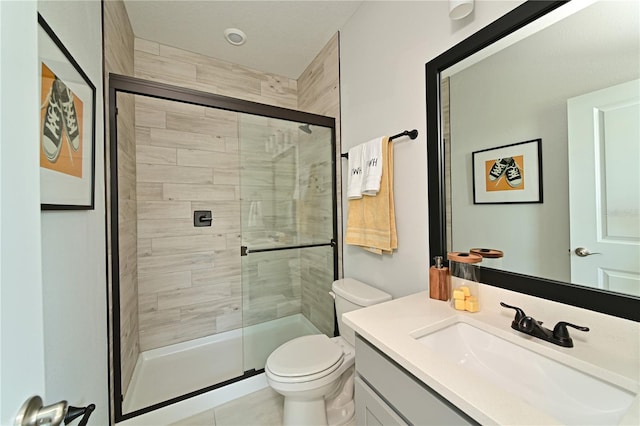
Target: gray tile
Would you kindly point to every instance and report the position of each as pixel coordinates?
(206, 418)
(262, 408)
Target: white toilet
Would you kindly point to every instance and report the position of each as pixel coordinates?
(315, 373)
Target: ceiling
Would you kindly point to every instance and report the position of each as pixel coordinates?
(283, 37)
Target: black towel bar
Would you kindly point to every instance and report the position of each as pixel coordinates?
(411, 133)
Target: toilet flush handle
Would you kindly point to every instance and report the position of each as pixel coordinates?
(333, 295)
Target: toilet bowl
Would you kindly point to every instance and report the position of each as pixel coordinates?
(315, 373)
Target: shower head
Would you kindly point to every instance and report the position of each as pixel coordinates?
(305, 128)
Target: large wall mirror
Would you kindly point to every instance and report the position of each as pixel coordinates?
(566, 74)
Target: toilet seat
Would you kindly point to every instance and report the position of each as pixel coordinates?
(304, 359)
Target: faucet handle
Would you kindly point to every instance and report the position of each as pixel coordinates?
(527, 324)
(561, 334)
(519, 315)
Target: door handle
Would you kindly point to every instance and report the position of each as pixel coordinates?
(583, 252)
(33, 413)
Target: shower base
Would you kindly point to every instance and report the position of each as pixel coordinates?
(175, 370)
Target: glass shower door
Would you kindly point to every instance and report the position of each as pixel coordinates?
(192, 181)
(179, 280)
(287, 220)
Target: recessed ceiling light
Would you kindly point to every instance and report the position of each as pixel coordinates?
(235, 36)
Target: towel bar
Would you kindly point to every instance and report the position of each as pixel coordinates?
(411, 133)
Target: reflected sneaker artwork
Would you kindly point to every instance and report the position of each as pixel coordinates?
(69, 114)
(514, 177)
(499, 167)
(52, 127)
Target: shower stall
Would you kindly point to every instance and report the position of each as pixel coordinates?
(223, 238)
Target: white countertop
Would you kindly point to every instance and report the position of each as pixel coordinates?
(390, 326)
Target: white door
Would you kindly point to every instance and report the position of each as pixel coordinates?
(52, 332)
(22, 372)
(604, 187)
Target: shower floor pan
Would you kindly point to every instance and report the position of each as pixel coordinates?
(169, 372)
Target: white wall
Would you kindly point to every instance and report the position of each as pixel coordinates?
(21, 340)
(384, 49)
(73, 246)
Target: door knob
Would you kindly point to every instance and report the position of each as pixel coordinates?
(583, 252)
(33, 413)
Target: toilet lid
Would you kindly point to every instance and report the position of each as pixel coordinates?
(304, 356)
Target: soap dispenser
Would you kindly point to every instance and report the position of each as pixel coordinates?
(439, 280)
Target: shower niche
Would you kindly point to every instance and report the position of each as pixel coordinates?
(196, 308)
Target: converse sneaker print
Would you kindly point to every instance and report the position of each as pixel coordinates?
(499, 168)
(52, 127)
(514, 177)
(69, 115)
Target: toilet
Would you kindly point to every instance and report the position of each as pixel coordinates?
(315, 373)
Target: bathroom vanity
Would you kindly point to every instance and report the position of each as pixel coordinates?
(384, 389)
(419, 361)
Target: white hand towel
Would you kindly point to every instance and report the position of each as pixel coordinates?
(354, 182)
(372, 159)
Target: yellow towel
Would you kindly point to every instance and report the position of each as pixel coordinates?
(371, 221)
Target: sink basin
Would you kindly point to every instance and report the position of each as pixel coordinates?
(569, 395)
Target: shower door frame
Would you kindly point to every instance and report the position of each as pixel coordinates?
(136, 86)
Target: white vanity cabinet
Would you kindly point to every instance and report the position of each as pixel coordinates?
(386, 394)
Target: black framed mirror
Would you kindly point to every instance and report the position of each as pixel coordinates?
(604, 301)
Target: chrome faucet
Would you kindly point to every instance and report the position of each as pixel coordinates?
(526, 324)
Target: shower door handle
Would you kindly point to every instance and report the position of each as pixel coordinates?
(244, 250)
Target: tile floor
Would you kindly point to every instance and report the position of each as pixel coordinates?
(262, 408)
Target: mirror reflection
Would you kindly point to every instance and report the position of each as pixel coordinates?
(574, 85)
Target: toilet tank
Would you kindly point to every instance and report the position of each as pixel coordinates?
(352, 294)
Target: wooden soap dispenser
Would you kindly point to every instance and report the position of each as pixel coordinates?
(439, 280)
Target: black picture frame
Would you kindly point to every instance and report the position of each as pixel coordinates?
(67, 127)
(508, 174)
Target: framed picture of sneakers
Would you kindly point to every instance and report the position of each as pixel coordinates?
(508, 174)
(67, 127)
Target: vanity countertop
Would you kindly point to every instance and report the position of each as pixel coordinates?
(390, 326)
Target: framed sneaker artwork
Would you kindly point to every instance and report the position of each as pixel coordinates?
(508, 174)
(67, 127)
